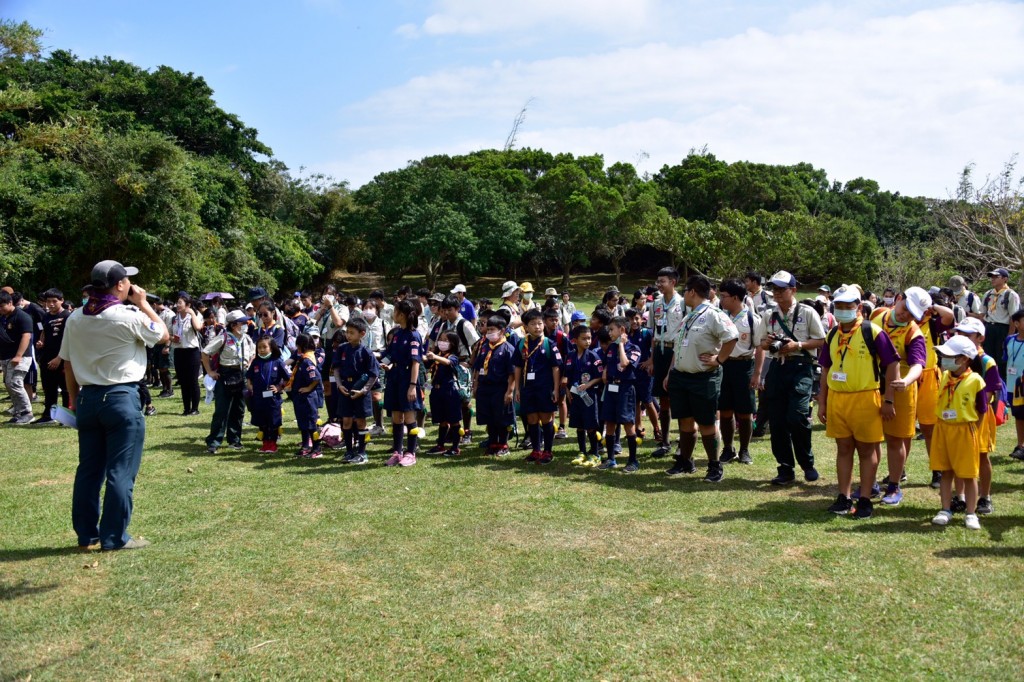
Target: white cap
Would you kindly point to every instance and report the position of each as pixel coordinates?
(958, 345)
(971, 325)
(848, 293)
(459, 289)
(918, 301)
(783, 279)
(508, 288)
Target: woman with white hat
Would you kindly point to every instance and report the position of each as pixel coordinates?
(510, 293)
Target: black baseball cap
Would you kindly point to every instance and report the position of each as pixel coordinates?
(107, 273)
(257, 292)
(999, 272)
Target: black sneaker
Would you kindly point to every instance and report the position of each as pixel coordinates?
(984, 506)
(715, 473)
(1018, 453)
(165, 394)
(745, 457)
(936, 479)
(212, 449)
(759, 432)
(44, 420)
(526, 444)
(864, 508)
(660, 451)
(235, 446)
(811, 475)
(728, 455)
(682, 466)
(150, 410)
(958, 506)
(631, 467)
(785, 476)
(842, 505)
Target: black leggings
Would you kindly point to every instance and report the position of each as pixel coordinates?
(186, 367)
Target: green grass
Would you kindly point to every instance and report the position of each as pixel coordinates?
(269, 567)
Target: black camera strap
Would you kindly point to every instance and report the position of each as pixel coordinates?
(781, 321)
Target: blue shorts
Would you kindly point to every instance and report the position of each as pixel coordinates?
(491, 407)
(445, 405)
(534, 400)
(306, 411)
(644, 385)
(357, 408)
(396, 395)
(619, 407)
(583, 417)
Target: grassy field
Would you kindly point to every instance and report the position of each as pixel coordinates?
(271, 567)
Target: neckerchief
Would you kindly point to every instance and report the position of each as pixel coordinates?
(307, 356)
(98, 303)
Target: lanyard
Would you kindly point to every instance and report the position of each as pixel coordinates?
(490, 351)
(267, 373)
(1018, 344)
(844, 342)
(692, 318)
(528, 354)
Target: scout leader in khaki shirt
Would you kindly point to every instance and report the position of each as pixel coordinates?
(705, 333)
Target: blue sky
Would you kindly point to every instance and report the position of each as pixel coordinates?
(905, 92)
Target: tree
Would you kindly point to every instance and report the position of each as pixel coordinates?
(985, 225)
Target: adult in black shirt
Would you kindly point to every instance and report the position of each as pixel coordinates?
(51, 367)
(16, 354)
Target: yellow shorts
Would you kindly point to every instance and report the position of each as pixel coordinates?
(987, 432)
(955, 448)
(902, 425)
(928, 396)
(855, 415)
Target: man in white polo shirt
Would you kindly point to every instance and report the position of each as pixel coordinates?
(104, 353)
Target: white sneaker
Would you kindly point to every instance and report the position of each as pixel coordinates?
(971, 521)
(376, 430)
(942, 518)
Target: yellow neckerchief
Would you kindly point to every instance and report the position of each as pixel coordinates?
(527, 353)
(844, 340)
(309, 356)
(491, 347)
(996, 293)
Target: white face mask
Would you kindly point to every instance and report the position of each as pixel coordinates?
(494, 337)
(370, 314)
(443, 346)
(888, 301)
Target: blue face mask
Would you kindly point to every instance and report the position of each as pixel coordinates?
(948, 364)
(845, 316)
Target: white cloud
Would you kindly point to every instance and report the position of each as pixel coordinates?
(907, 100)
(473, 17)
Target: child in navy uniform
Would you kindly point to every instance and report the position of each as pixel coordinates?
(266, 377)
(583, 371)
(356, 373)
(538, 367)
(561, 340)
(305, 388)
(445, 403)
(494, 385)
(643, 338)
(621, 367)
(402, 395)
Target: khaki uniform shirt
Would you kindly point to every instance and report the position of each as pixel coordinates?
(705, 330)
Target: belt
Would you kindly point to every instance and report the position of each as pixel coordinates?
(743, 359)
(665, 344)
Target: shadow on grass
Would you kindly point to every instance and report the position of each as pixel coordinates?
(785, 510)
(980, 553)
(909, 519)
(23, 589)
(29, 553)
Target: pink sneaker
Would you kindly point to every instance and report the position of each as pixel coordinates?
(394, 460)
(408, 459)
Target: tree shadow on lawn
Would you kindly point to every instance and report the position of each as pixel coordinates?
(980, 552)
(914, 519)
(787, 510)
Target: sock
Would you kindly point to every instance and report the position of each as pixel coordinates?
(350, 439)
(453, 431)
(165, 379)
(307, 438)
(617, 440)
(549, 436)
(527, 431)
(535, 436)
(745, 429)
(413, 442)
(503, 432)
(687, 442)
(361, 443)
(666, 422)
(727, 431)
(397, 436)
(442, 434)
(376, 413)
(492, 436)
(710, 444)
(581, 439)
(631, 442)
(593, 443)
(609, 443)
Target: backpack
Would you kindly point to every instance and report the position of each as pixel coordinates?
(291, 330)
(330, 435)
(463, 381)
(1005, 302)
(869, 341)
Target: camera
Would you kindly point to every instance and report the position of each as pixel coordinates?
(777, 343)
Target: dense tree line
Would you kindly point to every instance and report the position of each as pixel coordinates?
(101, 157)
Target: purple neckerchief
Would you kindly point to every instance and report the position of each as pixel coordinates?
(98, 303)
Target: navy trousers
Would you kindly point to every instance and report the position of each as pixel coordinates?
(111, 432)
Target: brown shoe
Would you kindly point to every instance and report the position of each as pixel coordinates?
(94, 547)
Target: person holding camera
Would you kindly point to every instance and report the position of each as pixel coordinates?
(794, 335)
(104, 354)
(233, 351)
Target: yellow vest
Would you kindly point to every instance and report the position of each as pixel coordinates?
(959, 394)
(900, 336)
(850, 356)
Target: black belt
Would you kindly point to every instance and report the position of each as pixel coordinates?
(748, 359)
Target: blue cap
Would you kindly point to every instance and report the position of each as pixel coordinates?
(999, 272)
(578, 317)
